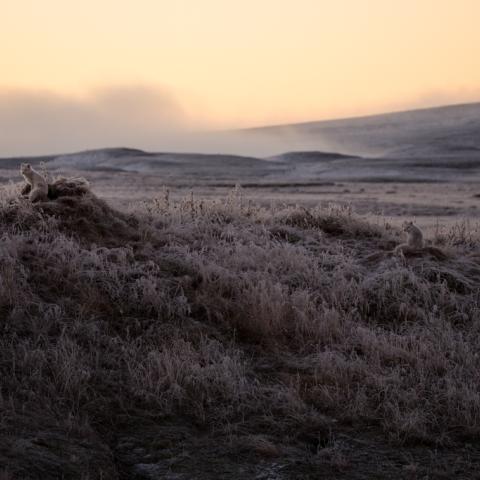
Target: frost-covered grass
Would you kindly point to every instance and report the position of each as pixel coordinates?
(235, 316)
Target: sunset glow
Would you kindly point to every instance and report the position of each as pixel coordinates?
(226, 64)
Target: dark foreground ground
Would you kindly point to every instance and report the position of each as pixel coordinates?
(195, 336)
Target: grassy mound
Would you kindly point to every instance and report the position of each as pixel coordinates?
(62, 187)
(228, 331)
(74, 210)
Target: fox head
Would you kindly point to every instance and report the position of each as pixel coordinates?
(25, 168)
(408, 226)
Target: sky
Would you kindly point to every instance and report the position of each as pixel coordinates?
(108, 72)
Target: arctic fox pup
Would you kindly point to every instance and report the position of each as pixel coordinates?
(414, 239)
(38, 184)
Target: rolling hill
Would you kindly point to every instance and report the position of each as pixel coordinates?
(441, 131)
(435, 144)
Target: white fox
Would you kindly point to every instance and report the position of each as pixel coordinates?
(414, 239)
(38, 184)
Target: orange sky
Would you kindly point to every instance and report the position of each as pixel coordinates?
(228, 63)
(249, 61)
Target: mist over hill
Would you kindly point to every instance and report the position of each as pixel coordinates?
(436, 144)
(441, 131)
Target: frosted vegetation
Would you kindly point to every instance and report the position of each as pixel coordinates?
(262, 323)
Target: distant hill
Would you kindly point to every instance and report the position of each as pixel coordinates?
(138, 160)
(310, 157)
(442, 131)
(132, 159)
(435, 144)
